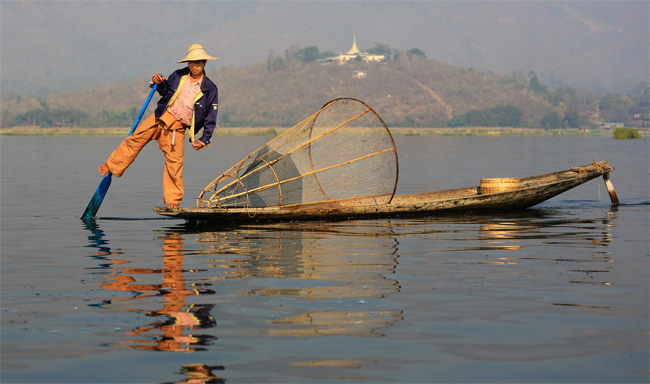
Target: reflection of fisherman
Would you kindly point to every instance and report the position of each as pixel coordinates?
(200, 374)
(175, 293)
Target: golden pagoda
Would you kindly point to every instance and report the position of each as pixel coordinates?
(354, 50)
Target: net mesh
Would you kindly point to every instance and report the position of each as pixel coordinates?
(343, 151)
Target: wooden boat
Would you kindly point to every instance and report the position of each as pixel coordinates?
(526, 192)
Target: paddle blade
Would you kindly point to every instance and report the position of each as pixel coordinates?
(98, 197)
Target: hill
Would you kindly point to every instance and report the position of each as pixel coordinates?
(407, 93)
(420, 93)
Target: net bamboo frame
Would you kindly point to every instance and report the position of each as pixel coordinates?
(344, 151)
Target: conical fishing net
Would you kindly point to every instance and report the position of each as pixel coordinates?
(343, 151)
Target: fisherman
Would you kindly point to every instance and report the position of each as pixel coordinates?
(189, 100)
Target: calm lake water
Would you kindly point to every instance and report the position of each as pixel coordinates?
(554, 294)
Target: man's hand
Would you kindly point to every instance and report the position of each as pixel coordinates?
(198, 145)
(157, 78)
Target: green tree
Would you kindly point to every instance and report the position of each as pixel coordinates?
(133, 113)
(46, 117)
(415, 52)
(534, 83)
(499, 116)
(308, 54)
(573, 119)
(551, 121)
(478, 117)
(458, 121)
(290, 53)
(506, 116)
(274, 63)
(409, 121)
(224, 120)
(66, 118)
(33, 117)
(326, 54)
(568, 96)
(380, 49)
(615, 108)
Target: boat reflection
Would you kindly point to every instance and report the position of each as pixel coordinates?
(324, 269)
(501, 234)
(307, 280)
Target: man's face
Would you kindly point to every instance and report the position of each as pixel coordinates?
(196, 67)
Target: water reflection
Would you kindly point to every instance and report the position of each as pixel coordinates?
(96, 240)
(200, 374)
(311, 280)
(325, 269)
(500, 234)
(176, 331)
(591, 234)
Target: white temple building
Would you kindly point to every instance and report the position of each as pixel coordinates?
(355, 54)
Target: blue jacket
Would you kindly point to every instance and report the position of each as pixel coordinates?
(205, 108)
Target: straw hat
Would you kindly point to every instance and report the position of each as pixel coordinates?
(197, 52)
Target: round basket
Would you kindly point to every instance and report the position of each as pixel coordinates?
(498, 185)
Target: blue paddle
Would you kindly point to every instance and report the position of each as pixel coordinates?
(98, 197)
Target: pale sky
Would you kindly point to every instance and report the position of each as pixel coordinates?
(60, 45)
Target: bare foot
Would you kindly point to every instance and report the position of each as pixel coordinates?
(172, 206)
(103, 169)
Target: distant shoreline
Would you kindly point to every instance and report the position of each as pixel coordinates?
(274, 131)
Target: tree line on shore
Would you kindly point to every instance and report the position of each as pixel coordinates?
(407, 89)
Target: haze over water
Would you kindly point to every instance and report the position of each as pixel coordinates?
(558, 293)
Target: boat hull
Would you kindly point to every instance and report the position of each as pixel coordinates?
(533, 190)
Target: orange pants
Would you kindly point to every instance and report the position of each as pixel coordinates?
(161, 130)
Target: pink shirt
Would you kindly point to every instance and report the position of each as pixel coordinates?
(183, 105)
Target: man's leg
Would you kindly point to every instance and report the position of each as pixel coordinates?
(173, 187)
(130, 147)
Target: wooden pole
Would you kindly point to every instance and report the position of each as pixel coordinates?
(610, 189)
